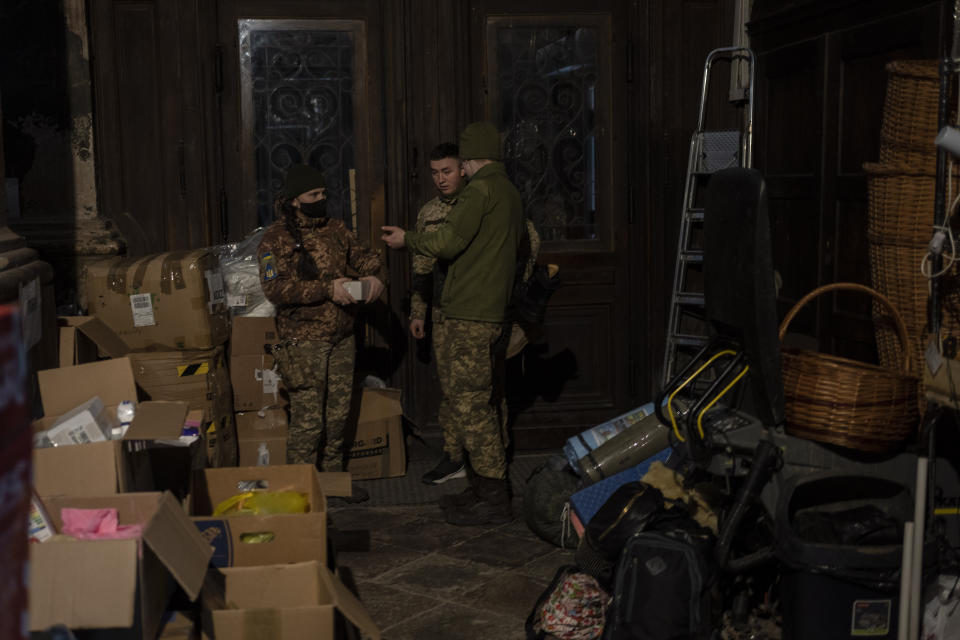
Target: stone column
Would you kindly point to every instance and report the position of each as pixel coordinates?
(57, 190)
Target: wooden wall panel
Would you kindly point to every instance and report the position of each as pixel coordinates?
(153, 109)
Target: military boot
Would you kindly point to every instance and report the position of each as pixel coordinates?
(466, 497)
(493, 506)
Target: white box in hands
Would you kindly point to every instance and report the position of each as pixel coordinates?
(357, 288)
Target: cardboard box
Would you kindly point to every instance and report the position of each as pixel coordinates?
(100, 468)
(283, 602)
(197, 377)
(257, 434)
(87, 339)
(220, 440)
(296, 536)
(117, 584)
(378, 449)
(167, 301)
(201, 379)
(256, 383)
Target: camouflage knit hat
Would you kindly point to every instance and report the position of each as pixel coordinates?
(302, 178)
(480, 141)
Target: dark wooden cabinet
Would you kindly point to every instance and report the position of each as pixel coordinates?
(820, 102)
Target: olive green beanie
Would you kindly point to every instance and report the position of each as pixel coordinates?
(480, 141)
(302, 178)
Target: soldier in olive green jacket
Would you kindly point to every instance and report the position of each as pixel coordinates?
(479, 240)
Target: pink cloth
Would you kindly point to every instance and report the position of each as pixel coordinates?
(97, 524)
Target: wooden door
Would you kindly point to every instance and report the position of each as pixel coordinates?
(555, 82)
(300, 84)
(152, 79)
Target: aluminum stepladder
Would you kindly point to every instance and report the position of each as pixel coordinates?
(710, 151)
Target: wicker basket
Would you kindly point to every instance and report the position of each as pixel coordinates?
(844, 402)
(910, 105)
(900, 202)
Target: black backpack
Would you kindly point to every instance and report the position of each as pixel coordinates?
(629, 510)
(661, 586)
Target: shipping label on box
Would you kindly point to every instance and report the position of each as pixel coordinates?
(378, 449)
(167, 301)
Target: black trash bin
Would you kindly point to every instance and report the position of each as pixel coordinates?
(839, 539)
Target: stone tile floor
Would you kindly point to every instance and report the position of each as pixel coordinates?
(424, 579)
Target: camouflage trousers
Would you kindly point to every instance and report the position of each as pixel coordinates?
(472, 408)
(319, 379)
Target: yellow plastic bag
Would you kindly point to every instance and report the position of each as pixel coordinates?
(263, 503)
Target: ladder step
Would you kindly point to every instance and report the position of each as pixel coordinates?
(689, 298)
(694, 215)
(687, 340)
(691, 256)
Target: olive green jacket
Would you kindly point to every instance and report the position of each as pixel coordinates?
(479, 240)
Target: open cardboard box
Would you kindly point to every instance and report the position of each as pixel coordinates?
(117, 584)
(85, 338)
(100, 468)
(296, 537)
(283, 602)
(378, 449)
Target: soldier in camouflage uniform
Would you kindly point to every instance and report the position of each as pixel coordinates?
(304, 257)
(426, 290)
(479, 239)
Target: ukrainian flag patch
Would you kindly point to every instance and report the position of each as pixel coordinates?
(268, 266)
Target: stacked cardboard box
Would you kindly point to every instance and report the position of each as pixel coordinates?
(157, 341)
(167, 301)
(171, 305)
(262, 437)
(201, 379)
(256, 382)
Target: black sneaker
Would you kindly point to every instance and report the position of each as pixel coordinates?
(445, 470)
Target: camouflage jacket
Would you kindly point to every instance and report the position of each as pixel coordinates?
(479, 237)
(305, 308)
(428, 273)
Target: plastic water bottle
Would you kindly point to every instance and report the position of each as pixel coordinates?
(263, 455)
(125, 414)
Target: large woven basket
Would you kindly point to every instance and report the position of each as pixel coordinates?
(912, 95)
(844, 402)
(900, 203)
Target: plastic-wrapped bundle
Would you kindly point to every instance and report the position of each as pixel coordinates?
(241, 277)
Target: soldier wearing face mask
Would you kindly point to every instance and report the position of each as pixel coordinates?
(304, 257)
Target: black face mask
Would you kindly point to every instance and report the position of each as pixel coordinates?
(316, 209)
